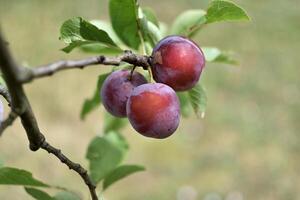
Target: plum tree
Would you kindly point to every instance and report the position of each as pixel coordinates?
(177, 62)
(117, 88)
(153, 110)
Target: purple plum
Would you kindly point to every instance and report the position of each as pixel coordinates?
(117, 88)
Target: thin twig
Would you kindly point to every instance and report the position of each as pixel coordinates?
(4, 92)
(48, 70)
(74, 166)
(12, 116)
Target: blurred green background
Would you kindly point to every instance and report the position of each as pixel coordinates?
(247, 146)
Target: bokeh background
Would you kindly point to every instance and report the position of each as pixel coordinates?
(247, 146)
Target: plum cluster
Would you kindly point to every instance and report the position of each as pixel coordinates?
(153, 108)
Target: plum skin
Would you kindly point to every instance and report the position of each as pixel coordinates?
(116, 90)
(177, 62)
(153, 110)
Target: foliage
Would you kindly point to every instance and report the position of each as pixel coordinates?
(13, 176)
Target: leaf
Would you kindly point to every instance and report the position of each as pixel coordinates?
(107, 27)
(213, 54)
(75, 44)
(2, 82)
(198, 99)
(118, 140)
(77, 32)
(13, 176)
(153, 32)
(149, 31)
(185, 105)
(150, 15)
(105, 154)
(100, 48)
(188, 22)
(92, 103)
(124, 15)
(221, 10)
(41, 195)
(38, 194)
(120, 173)
(112, 123)
(66, 196)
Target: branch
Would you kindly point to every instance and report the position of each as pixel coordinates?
(4, 92)
(12, 116)
(12, 75)
(19, 101)
(48, 70)
(74, 166)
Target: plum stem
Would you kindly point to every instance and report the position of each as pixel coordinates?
(131, 72)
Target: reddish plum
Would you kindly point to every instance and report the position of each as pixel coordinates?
(177, 62)
(153, 110)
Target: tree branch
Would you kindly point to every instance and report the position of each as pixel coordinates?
(74, 166)
(12, 75)
(4, 92)
(19, 101)
(48, 70)
(12, 116)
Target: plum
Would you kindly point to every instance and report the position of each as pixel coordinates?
(177, 62)
(153, 110)
(116, 90)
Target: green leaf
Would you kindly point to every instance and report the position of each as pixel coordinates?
(149, 31)
(150, 15)
(221, 10)
(112, 123)
(185, 105)
(124, 15)
(103, 25)
(188, 22)
(75, 44)
(77, 32)
(105, 154)
(118, 140)
(100, 49)
(2, 82)
(96, 48)
(120, 173)
(154, 32)
(213, 54)
(38, 194)
(13, 176)
(66, 196)
(41, 195)
(198, 99)
(93, 102)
